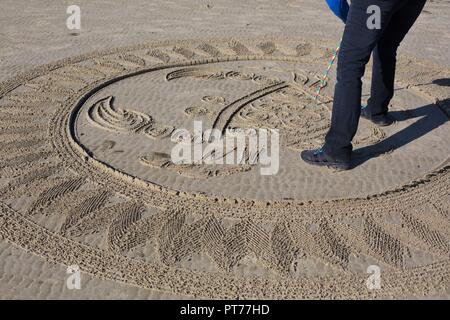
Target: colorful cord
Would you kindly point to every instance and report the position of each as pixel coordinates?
(325, 78)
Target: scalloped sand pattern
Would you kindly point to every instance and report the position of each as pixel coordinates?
(77, 207)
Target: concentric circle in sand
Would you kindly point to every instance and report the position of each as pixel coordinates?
(127, 125)
(75, 190)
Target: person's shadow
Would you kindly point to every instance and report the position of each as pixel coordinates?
(443, 82)
(429, 117)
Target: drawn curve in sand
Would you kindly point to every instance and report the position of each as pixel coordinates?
(104, 115)
(289, 105)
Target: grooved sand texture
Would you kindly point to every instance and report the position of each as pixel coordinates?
(84, 179)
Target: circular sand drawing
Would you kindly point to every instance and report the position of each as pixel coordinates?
(86, 176)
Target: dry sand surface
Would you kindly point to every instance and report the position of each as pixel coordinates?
(85, 124)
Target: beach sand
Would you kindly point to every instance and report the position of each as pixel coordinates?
(85, 176)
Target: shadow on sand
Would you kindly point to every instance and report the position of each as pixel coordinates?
(429, 118)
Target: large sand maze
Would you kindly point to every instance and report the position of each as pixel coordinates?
(87, 179)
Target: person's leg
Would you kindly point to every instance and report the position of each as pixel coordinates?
(357, 45)
(385, 54)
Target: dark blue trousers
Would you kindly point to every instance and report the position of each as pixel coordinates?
(358, 43)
